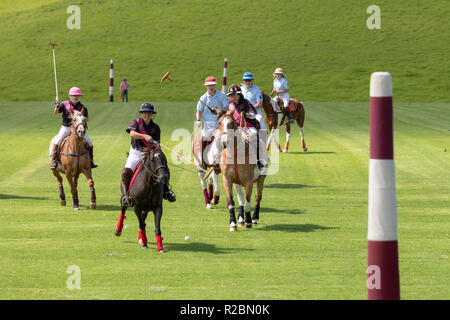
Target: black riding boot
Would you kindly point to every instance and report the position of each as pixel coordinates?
(126, 178)
(91, 155)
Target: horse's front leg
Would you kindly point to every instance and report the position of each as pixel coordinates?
(241, 200)
(142, 233)
(287, 126)
(201, 174)
(247, 206)
(73, 188)
(215, 179)
(62, 195)
(122, 217)
(157, 212)
(258, 197)
(228, 185)
(88, 174)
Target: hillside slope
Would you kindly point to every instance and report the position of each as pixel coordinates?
(325, 47)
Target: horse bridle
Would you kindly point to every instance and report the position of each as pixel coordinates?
(153, 172)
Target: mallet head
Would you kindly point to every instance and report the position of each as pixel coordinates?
(166, 76)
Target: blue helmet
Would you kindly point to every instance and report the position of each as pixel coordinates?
(247, 76)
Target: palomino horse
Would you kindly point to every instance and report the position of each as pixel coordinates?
(208, 154)
(241, 173)
(75, 159)
(275, 116)
(146, 192)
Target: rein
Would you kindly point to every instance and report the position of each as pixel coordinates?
(153, 171)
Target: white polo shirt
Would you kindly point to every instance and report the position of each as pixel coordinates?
(253, 95)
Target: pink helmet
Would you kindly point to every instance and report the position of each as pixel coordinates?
(75, 91)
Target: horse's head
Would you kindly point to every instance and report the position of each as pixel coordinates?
(79, 124)
(226, 123)
(155, 161)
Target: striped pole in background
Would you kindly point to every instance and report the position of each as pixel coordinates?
(224, 81)
(111, 82)
(383, 281)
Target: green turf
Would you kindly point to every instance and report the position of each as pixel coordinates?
(325, 47)
(311, 242)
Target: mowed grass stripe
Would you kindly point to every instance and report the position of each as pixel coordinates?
(310, 243)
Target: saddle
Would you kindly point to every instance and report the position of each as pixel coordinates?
(292, 105)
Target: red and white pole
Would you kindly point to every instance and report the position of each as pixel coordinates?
(224, 81)
(383, 282)
(111, 82)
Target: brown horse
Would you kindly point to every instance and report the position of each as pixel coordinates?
(75, 159)
(242, 172)
(276, 116)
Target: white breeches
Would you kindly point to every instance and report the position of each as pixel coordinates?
(133, 159)
(208, 132)
(260, 118)
(64, 132)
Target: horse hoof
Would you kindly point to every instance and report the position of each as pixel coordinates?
(144, 246)
(63, 203)
(255, 222)
(305, 149)
(232, 229)
(93, 206)
(208, 206)
(117, 233)
(285, 151)
(162, 251)
(76, 208)
(248, 225)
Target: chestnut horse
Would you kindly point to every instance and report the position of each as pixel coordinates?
(233, 140)
(276, 116)
(74, 159)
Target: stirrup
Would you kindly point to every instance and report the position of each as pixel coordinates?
(126, 201)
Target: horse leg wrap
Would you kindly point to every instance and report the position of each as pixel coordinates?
(256, 212)
(159, 245)
(216, 199)
(210, 192)
(120, 223)
(143, 237)
(93, 196)
(206, 196)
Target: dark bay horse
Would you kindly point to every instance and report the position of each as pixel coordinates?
(146, 192)
(75, 159)
(241, 173)
(276, 116)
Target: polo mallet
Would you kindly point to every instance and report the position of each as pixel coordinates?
(166, 76)
(180, 156)
(54, 68)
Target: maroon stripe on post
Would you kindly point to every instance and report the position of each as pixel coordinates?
(381, 128)
(383, 281)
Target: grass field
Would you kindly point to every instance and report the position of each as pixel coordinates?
(325, 47)
(310, 243)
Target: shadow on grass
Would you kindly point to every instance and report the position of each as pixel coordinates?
(295, 227)
(289, 186)
(201, 247)
(107, 207)
(12, 196)
(273, 210)
(311, 152)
